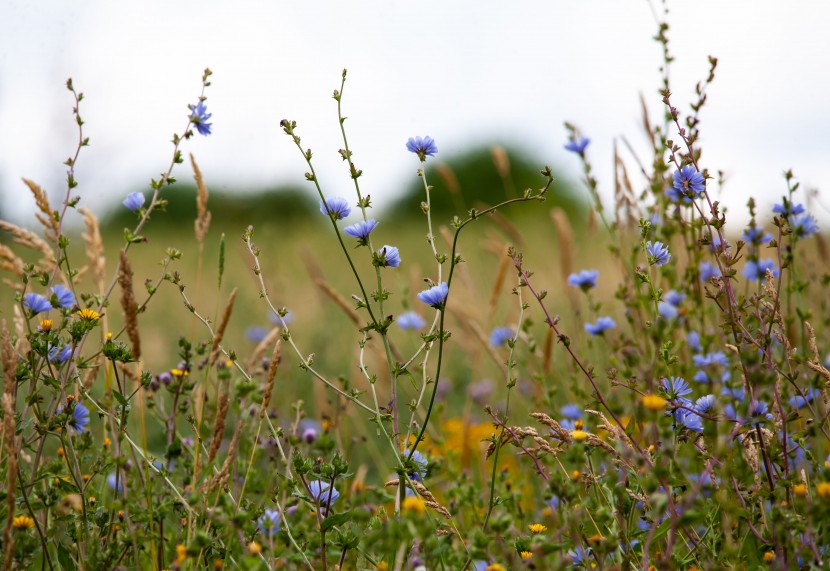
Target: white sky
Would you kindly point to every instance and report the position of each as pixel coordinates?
(464, 72)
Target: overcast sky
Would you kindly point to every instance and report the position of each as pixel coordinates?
(464, 72)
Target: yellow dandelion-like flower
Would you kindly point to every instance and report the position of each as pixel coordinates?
(414, 504)
(537, 528)
(382, 566)
(769, 556)
(107, 442)
(218, 563)
(179, 372)
(181, 553)
(495, 567)
(45, 324)
(88, 314)
(596, 538)
(576, 474)
(61, 452)
(254, 548)
(654, 402)
(229, 363)
(823, 490)
(800, 489)
(92, 500)
(87, 477)
(579, 435)
(326, 425)
(526, 554)
(23, 522)
(109, 336)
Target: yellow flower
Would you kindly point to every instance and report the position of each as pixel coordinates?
(823, 490)
(107, 442)
(23, 522)
(181, 553)
(228, 363)
(654, 402)
(576, 474)
(579, 424)
(537, 528)
(88, 314)
(45, 324)
(254, 548)
(579, 435)
(61, 452)
(218, 563)
(769, 556)
(179, 372)
(495, 567)
(800, 490)
(382, 566)
(414, 504)
(526, 554)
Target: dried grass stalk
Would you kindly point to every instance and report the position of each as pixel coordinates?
(46, 216)
(501, 161)
(9, 361)
(565, 237)
(338, 299)
(498, 284)
(429, 499)
(95, 257)
(202, 222)
(128, 304)
(218, 427)
(11, 479)
(220, 479)
(29, 239)
(276, 357)
(9, 262)
(215, 349)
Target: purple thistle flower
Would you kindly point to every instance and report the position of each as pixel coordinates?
(36, 303)
(410, 320)
(585, 280)
(422, 147)
(361, 230)
(602, 325)
(199, 117)
(435, 296)
(388, 256)
(134, 201)
(658, 253)
(336, 207)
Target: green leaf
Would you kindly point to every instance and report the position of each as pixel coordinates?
(336, 519)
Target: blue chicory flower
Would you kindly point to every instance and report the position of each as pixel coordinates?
(410, 320)
(674, 297)
(658, 253)
(36, 303)
(666, 310)
(66, 299)
(758, 270)
(577, 144)
(708, 270)
(199, 117)
(787, 208)
(256, 333)
(58, 356)
(435, 296)
(705, 403)
(115, 482)
(501, 335)
(336, 207)
(422, 147)
(80, 418)
(799, 401)
(756, 236)
(269, 522)
(571, 411)
(803, 225)
(320, 492)
(688, 184)
(602, 325)
(693, 340)
(388, 256)
(676, 387)
(421, 464)
(585, 279)
(361, 230)
(134, 201)
(690, 420)
(578, 556)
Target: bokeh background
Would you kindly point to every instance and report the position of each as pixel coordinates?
(470, 74)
